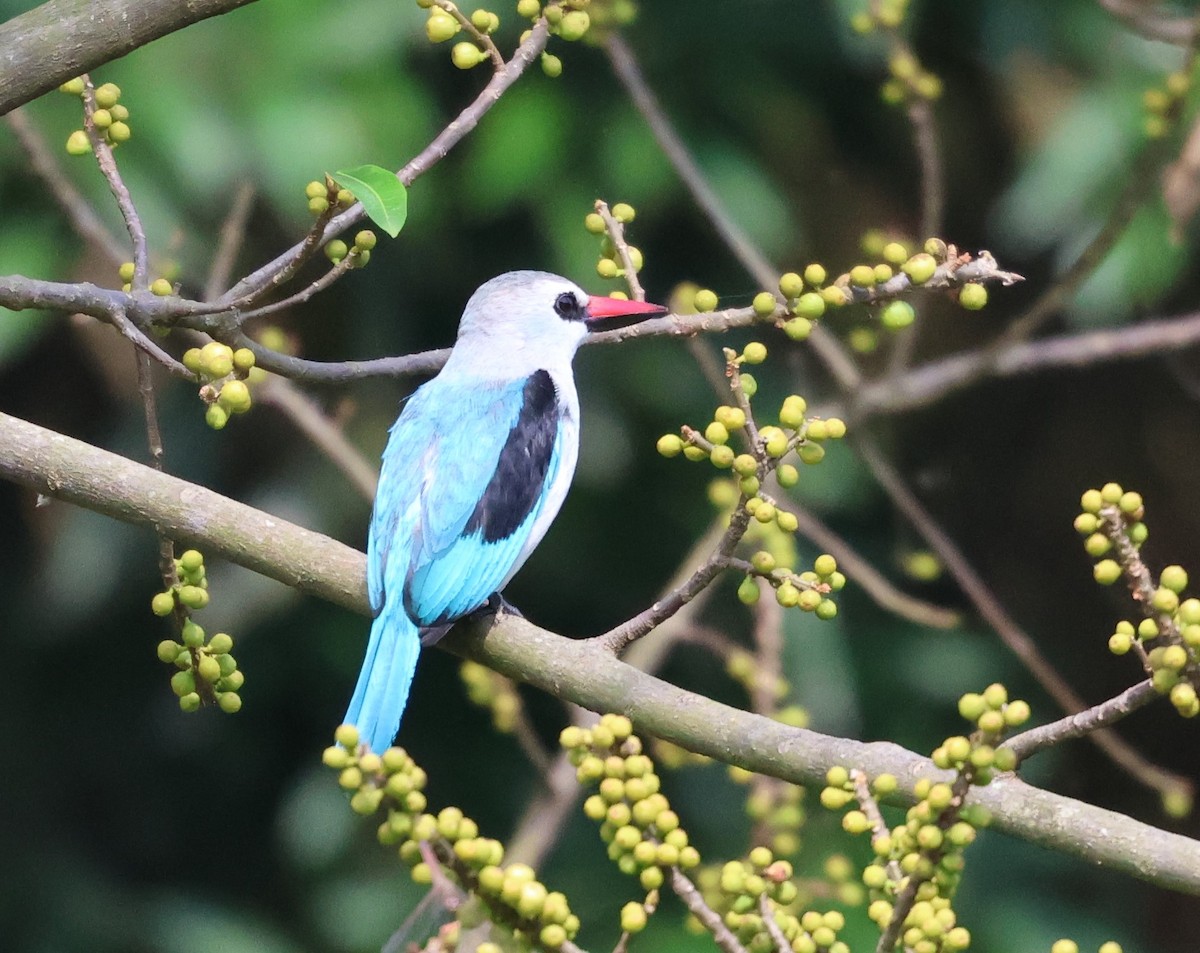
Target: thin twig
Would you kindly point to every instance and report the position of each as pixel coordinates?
(108, 168)
(767, 911)
(1030, 742)
(229, 243)
(45, 164)
(616, 639)
(330, 439)
(835, 356)
(687, 892)
(1010, 633)
(437, 150)
(327, 279)
(877, 586)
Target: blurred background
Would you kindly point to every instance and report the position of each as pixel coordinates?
(127, 826)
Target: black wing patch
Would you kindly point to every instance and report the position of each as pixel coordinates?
(520, 475)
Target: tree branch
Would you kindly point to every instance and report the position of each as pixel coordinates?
(584, 673)
(42, 49)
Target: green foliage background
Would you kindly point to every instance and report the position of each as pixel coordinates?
(126, 826)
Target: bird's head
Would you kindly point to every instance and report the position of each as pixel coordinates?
(541, 316)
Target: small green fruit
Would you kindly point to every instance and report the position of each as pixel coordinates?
(78, 143)
(107, 95)
(972, 296)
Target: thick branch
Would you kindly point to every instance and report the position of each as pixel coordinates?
(42, 49)
(576, 670)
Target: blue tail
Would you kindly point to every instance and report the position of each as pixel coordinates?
(385, 679)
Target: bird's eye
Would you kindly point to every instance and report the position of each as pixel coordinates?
(567, 306)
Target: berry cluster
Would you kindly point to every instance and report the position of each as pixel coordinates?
(326, 197)
(1167, 638)
(510, 896)
(609, 265)
(918, 864)
(109, 117)
(225, 373)
(636, 821)
(767, 451)
(357, 254)
(908, 80)
(207, 672)
(1070, 946)
(491, 690)
(1164, 103)
(760, 887)
(159, 286)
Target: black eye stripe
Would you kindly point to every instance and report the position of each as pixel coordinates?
(567, 306)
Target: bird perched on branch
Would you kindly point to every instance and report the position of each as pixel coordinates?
(474, 472)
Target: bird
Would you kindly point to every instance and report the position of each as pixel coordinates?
(475, 469)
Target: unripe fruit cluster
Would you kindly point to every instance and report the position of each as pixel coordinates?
(1162, 104)
(326, 196)
(494, 692)
(207, 670)
(610, 265)
(226, 371)
(643, 834)
(806, 591)
(356, 255)
(110, 118)
(568, 19)
(509, 894)
(741, 887)
(806, 298)
(1168, 637)
(927, 847)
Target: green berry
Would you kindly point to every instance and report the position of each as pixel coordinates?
(78, 143)
(810, 305)
(814, 274)
(336, 250)
(162, 288)
(705, 300)
(234, 397)
(529, 9)
(764, 304)
(102, 119)
(791, 285)
(216, 417)
(862, 276)
(72, 87)
(594, 223)
(119, 132)
(623, 212)
(551, 66)
(972, 296)
(798, 329)
(107, 95)
(574, 25)
(749, 385)
(722, 457)
(441, 26)
(163, 604)
(607, 268)
(189, 702)
(669, 445)
(318, 205)
(748, 592)
(230, 702)
(755, 352)
(920, 268)
(466, 55)
(243, 359)
(787, 475)
(897, 315)
(1174, 578)
(1106, 572)
(316, 190)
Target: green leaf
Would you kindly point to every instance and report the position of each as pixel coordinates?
(382, 195)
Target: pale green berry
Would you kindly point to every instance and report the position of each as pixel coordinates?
(972, 296)
(705, 300)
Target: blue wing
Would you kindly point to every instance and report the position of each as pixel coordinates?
(465, 476)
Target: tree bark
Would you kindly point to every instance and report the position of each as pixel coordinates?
(577, 670)
(42, 49)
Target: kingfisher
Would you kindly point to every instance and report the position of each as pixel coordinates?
(475, 470)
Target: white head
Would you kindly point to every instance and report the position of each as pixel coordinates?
(525, 320)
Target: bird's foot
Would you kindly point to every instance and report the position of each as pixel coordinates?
(498, 605)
